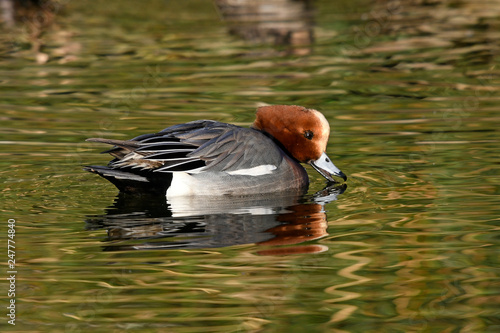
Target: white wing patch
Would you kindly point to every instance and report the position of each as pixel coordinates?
(255, 171)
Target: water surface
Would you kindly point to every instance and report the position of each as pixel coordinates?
(411, 245)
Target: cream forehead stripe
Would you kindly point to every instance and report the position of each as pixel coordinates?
(325, 126)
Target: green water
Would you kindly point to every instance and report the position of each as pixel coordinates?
(412, 96)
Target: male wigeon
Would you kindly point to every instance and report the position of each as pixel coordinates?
(206, 157)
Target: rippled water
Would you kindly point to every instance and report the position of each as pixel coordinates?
(411, 245)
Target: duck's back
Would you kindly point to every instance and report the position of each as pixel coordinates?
(202, 158)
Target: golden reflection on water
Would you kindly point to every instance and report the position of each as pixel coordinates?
(411, 245)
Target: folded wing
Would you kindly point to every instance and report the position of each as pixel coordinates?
(194, 147)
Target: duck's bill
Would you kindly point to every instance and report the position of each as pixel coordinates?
(326, 168)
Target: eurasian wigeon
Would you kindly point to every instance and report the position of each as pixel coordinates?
(206, 157)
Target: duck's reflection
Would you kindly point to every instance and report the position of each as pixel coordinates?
(147, 222)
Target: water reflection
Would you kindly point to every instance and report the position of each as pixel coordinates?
(150, 222)
(439, 34)
(278, 22)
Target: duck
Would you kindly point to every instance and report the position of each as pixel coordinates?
(207, 157)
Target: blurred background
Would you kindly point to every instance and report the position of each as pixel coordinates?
(411, 91)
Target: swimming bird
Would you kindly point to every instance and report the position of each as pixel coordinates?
(206, 157)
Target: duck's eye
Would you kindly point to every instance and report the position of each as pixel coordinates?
(309, 134)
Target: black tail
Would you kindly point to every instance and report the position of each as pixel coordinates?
(134, 181)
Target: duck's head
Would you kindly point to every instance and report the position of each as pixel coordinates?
(303, 133)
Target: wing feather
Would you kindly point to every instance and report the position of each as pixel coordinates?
(193, 147)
